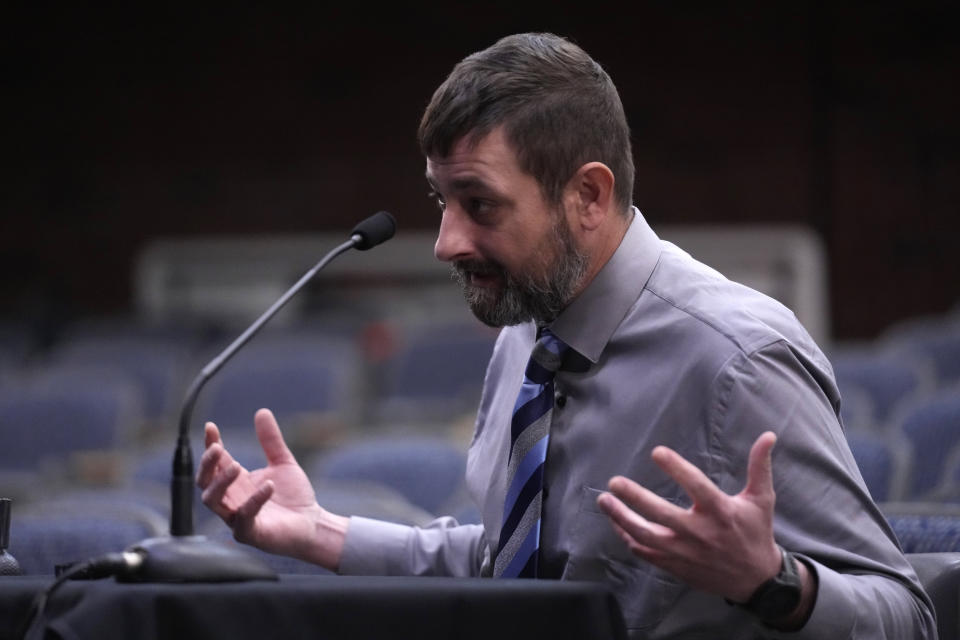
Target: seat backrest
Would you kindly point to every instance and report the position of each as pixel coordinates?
(436, 373)
(948, 490)
(51, 421)
(935, 339)
(427, 471)
(883, 460)
(157, 366)
(933, 428)
(884, 380)
(295, 379)
(47, 534)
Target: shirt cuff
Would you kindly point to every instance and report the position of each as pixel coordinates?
(373, 547)
(833, 614)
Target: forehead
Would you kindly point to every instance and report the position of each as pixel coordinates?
(487, 158)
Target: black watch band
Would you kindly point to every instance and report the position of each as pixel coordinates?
(778, 596)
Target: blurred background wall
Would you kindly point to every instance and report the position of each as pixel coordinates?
(127, 125)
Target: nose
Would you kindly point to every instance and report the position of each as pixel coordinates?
(455, 239)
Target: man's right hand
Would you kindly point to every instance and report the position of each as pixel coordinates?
(273, 508)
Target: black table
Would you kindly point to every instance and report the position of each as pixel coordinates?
(317, 607)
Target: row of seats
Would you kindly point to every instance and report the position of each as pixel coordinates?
(383, 372)
(885, 377)
(406, 479)
(367, 371)
(901, 408)
(74, 530)
(88, 424)
(917, 460)
(334, 391)
(114, 387)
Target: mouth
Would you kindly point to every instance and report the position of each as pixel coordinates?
(481, 276)
(485, 280)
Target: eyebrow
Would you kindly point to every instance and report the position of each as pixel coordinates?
(463, 184)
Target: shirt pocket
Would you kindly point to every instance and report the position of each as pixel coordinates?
(644, 592)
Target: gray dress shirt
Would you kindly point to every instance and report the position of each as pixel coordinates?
(681, 357)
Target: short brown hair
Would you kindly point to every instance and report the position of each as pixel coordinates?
(559, 107)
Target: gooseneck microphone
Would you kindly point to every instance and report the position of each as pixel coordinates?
(376, 229)
(185, 557)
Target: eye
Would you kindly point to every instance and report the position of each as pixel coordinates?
(478, 206)
(436, 197)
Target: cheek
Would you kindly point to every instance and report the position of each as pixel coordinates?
(543, 252)
(529, 249)
(508, 250)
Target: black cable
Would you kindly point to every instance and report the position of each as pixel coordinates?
(109, 564)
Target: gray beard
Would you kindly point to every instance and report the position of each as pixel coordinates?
(525, 297)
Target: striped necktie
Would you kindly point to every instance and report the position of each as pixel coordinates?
(519, 543)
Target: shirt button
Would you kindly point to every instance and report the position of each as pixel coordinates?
(560, 400)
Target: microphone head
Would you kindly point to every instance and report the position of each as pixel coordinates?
(378, 228)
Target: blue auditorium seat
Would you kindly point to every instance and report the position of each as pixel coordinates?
(436, 373)
(933, 428)
(47, 533)
(883, 460)
(302, 380)
(948, 489)
(157, 366)
(427, 470)
(934, 339)
(882, 379)
(49, 419)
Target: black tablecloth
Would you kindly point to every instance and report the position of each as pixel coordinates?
(317, 607)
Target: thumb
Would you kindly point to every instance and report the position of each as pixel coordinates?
(760, 466)
(268, 433)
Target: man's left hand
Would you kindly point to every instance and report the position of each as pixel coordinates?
(721, 544)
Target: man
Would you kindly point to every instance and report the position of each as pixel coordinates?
(752, 522)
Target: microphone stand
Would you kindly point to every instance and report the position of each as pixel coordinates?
(184, 556)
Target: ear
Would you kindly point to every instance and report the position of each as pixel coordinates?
(590, 194)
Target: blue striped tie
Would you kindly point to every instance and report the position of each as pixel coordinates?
(519, 543)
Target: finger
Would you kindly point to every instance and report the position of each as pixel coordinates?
(271, 439)
(248, 511)
(760, 466)
(647, 503)
(640, 529)
(213, 495)
(694, 481)
(211, 434)
(635, 547)
(211, 461)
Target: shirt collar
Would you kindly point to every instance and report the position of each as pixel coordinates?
(587, 324)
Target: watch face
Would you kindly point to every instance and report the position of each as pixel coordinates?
(781, 602)
(780, 595)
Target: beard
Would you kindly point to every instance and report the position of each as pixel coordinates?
(527, 295)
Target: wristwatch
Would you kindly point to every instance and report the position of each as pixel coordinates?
(778, 596)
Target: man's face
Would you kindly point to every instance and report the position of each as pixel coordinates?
(514, 255)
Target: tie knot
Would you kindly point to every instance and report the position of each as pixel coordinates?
(549, 352)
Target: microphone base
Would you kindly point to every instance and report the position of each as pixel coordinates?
(194, 559)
